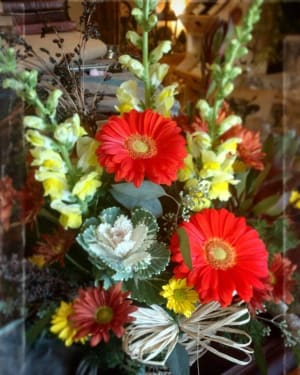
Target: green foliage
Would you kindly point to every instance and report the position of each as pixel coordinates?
(39, 325)
(184, 247)
(278, 236)
(147, 291)
(110, 358)
(296, 351)
(258, 331)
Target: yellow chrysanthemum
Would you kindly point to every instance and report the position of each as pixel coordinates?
(180, 297)
(62, 326)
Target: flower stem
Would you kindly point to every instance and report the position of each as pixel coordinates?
(76, 264)
(145, 53)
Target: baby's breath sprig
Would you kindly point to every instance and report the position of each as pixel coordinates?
(223, 74)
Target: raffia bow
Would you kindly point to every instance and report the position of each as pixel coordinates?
(153, 335)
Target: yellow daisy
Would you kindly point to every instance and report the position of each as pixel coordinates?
(62, 326)
(180, 297)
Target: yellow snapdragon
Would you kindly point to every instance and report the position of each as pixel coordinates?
(69, 131)
(55, 183)
(86, 150)
(86, 186)
(165, 99)
(127, 95)
(188, 171)
(36, 139)
(71, 216)
(48, 159)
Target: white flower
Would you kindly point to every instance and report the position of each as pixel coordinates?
(121, 242)
(128, 246)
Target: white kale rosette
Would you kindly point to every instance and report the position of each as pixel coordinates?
(124, 248)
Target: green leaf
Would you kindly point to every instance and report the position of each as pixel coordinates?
(178, 361)
(264, 205)
(147, 291)
(260, 359)
(184, 246)
(255, 181)
(38, 327)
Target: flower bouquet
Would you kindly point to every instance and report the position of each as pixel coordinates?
(155, 236)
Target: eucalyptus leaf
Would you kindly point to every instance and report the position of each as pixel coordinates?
(145, 196)
(178, 361)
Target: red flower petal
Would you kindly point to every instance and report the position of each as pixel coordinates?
(141, 145)
(228, 257)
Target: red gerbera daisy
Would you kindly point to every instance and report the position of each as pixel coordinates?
(227, 256)
(97, 311)
(281, 272)
(141, 145)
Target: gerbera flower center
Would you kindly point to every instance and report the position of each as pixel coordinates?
(219, 253)
(140, 146)
(104, 315)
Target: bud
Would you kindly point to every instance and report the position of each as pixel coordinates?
(34, 122)
(157, 53)
(204, 108)
(52, 100)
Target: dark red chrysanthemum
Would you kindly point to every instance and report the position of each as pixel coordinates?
(260, 296)
(31, 198)
(250, 148)
(281, 273)
(141, 145)
(227, 255)
(98, 311)
(52, 247)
